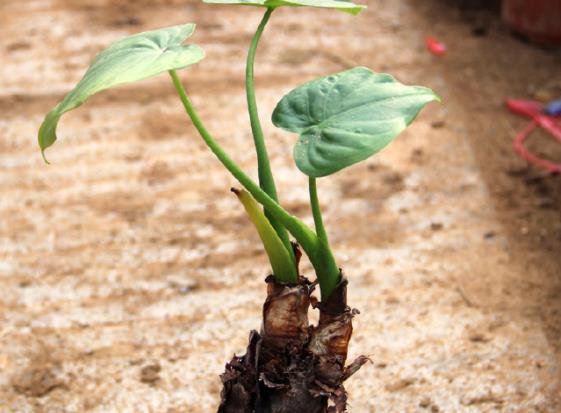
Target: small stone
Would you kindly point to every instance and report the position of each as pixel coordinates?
(36, 382)
(478, 337)
(392, 299)
(417, 156)
(12, 47)
(425, 402)
(150, 374)
(482, 399)
(436, 226)
(539, 364)
(400, 384)
(489, 235)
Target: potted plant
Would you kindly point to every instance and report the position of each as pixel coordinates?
(341, 119)
(539, 20)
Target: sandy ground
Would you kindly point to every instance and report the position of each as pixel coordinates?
(129, 274)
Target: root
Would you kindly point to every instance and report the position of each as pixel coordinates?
(291, 366)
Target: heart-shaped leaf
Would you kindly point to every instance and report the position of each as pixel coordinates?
(341, 5)
(344, 118)
(133, 58)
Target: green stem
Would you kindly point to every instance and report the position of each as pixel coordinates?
(266, 180)
(301, 232)
(320, 255)
(332, 277)
(316, 211)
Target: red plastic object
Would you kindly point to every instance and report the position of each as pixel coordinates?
(534, 111)
(435, 47)
(539, 20)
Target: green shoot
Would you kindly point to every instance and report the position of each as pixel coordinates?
(316, 211)
(281, 263)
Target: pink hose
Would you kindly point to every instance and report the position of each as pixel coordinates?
(533, 110)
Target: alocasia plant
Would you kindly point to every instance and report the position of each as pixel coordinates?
(341, 119)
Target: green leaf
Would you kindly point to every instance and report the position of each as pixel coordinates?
(341, 5)
(281, 261)
(133, 58)
(347, 117)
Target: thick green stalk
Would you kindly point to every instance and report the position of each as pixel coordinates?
(320, 255)
(316, 211)
(282, 265)
(266, 180)
(333, 278)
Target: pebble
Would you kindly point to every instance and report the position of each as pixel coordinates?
(150, 374)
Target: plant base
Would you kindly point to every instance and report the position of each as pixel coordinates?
(292, 366)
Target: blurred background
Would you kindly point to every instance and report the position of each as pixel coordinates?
(129, 273)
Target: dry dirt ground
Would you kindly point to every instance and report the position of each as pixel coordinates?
(129, 274)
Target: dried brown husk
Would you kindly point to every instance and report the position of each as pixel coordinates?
(292, 366)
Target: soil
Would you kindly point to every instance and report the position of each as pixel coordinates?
(130, 275)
